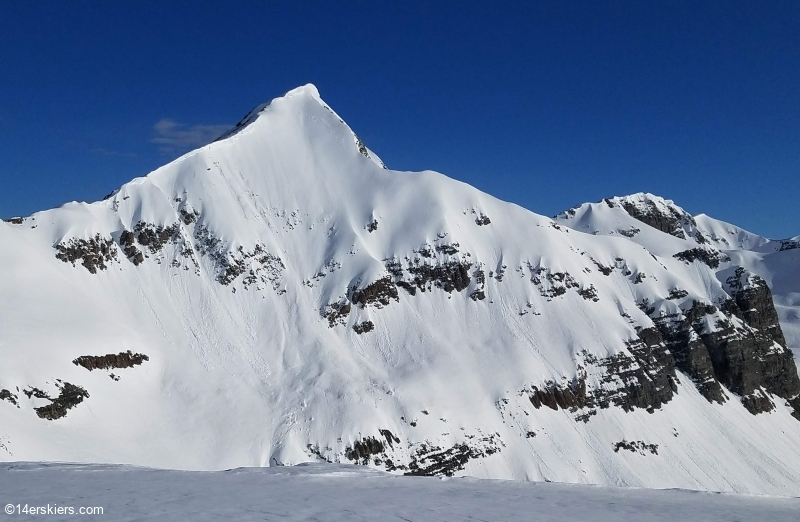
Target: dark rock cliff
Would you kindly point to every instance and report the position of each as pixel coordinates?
(745, 350)
(642, 378)
(689, 349)
(738, 346)
(759, 359)
(671, 222)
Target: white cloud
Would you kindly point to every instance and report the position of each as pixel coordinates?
(172, 136)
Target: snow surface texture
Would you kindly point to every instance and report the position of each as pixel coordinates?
(280, 297)
(346, 493)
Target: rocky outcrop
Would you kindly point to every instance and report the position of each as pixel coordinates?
(189, 216)
(754, 304)
(570, 397)
(789, 244)
(362, 450)
(644, 377)
(106, 362)
(127, 241)
(689, 349)
(756, 360)
(478, 295)
(426, 458)
(666, 219)
(95, 253)
(336, 313)
(258, 265)
(553, 284)
(709, 257)
(448, 249)
(6, 395)
(70, 395)
(739, 345)
(378, 293)
(364, 327)
(430, 460)
(448, 275)
(629, 232)
(636, 446)
(482, 220)
(156, 237)
(590, 293)
(152, 238)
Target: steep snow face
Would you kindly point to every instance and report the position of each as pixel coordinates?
(279, 296)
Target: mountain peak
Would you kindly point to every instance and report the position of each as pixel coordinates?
(308, 90)
(281, 283)
(647, 202)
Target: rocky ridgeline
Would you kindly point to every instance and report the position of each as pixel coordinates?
(657, 213)
(789, 244)
(256, 267)
(670, 221)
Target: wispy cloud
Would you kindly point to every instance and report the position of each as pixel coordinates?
(172, 137)
(102, 151)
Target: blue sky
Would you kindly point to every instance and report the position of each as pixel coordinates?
(546, 104)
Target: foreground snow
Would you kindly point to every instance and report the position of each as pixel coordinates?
(333, 492)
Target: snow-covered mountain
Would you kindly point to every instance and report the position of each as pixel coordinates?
(280, 296)
(649, 220)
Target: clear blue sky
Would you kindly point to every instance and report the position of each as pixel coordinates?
(544, 104)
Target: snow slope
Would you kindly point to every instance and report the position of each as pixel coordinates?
(279, 297)
(335, 492)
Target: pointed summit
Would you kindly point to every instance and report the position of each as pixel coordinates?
(277, 297)
(307, 90)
